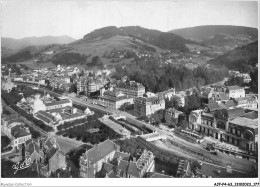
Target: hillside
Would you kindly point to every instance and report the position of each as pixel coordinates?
(242, 58)
(222, 37)
(157, 38)
(18, 44)
(119, 45)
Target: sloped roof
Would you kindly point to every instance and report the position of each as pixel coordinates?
(245, 122)
(230, 103)
(19, 131)
(154, 99)
(234, 87)
(251, 115)
(223, 96)
(133, 170)
(46, 114)
(43, 118)
(51, 152)
(213, 106)
(58, 102)
(112, 174)
(124, 156)
(122, 167)
(232, 113)
(99, 151)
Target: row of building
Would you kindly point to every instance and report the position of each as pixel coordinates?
(51, 111)
(106, 160)
(233, 126)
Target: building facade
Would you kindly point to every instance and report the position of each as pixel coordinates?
(232, 126)
(131, 89)
(171, 116)
(235, 91)
(145, 106)
(15, 131)
(92, 160)
(114, 100)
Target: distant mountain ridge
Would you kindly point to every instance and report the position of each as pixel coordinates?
(202, 33)
(17, 44)
(157, 38)
(241, 58)
(222, 38)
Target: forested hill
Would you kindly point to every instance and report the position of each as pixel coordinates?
(242, 58)
(202, 33)
(157, 38)
(157, 78)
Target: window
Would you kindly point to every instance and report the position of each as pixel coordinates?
(221, 125)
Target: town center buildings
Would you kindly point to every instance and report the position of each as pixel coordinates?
(232, 126)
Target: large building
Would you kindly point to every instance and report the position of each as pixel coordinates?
(59, 116)
(58, 104)
(131, 89)
(16, 131)
(172, 116)
(105, 158)
(89, 85)
(92, 160)
(235, 91)
(167, 94)
(45, 154)
(114, 100)
(145, 106)
(232, 126)
(131, 169)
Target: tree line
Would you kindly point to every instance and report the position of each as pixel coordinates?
(158, 77)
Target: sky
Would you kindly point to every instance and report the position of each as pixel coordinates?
(75, 18)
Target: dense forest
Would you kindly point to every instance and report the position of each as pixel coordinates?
(243, 59)
(69, 58)
(157, 78)
(22, 56)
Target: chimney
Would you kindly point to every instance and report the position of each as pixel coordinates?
(134, 159)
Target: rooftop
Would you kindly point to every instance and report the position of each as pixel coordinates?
(20, 131)
(234, 87)
(58, 102)
(98, 152)
(232, 113)
(213, 106)
(245, 122)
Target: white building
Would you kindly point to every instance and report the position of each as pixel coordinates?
(16, 131)
(235, 91)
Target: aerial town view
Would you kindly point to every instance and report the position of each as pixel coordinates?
(98, 90)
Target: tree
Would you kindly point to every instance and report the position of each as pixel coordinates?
(183, 124)
(158, 117)
(235, 80)
(194, 166)
(254, 81)
(96, 61)
(73, 88)
(172, 103)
